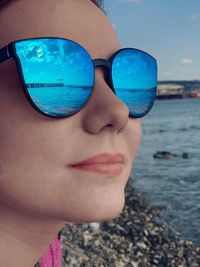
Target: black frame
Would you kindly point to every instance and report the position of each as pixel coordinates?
(9, 51)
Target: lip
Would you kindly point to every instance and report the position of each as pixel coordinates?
(103, 163)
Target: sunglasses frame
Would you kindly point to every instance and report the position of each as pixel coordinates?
(9, 51)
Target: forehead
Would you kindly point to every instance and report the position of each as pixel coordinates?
(79, 20)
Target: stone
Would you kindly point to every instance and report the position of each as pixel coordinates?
(186, 155)
(134, 238)
(164, 155)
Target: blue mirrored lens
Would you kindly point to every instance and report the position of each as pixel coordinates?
(58, 74)
(134, 77)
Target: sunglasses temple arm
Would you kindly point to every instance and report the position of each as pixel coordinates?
(4, 54)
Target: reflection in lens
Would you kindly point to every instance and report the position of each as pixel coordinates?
(134, 75)
(58, 74)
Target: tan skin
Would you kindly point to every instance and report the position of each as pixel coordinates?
(38, 193)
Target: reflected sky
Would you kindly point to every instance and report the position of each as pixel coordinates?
(54, 60)
(134, 69)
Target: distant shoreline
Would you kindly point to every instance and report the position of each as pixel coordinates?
(178, 89)
(169, 97)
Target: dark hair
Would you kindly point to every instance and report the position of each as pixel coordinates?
(98, 3)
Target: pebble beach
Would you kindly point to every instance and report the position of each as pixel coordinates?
(136, 238)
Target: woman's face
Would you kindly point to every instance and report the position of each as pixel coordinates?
(35, 150)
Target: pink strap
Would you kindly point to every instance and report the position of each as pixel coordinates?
(53, 256)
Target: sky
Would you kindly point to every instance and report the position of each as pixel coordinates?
(169, 30)
(42, 56)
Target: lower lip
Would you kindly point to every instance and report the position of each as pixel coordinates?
(112, 169)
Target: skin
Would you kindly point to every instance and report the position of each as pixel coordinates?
(38, 193)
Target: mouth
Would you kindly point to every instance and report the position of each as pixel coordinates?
(104, 163)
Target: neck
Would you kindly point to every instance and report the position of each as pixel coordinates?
(24, 238)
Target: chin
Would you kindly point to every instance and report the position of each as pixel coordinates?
(99, 211)
(111, 213)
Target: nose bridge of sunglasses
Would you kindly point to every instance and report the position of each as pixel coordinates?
(99, 62)
(4, 54)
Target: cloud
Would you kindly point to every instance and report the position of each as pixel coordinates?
(186, 61)
(195, 16)
(130, 1)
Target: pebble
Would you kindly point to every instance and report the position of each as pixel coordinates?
(133, 239)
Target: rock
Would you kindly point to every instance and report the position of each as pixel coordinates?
(186, 155)
(183, 129)
(181, 252)
(168, 155)
(133, 239)
(95, 225)
(133, 264)
(162, 130)
(164, 155)
(141, 245)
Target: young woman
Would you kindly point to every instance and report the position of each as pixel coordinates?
(70, 104)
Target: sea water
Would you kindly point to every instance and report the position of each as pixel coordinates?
(174, 126)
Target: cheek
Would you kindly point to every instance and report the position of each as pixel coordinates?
(33, 177)
(133, 137)
(32, 155)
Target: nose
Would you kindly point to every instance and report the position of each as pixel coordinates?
(104, 110)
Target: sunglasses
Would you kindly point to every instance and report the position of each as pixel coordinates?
(58, 75)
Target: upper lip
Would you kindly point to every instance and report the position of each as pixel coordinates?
(102, 158)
